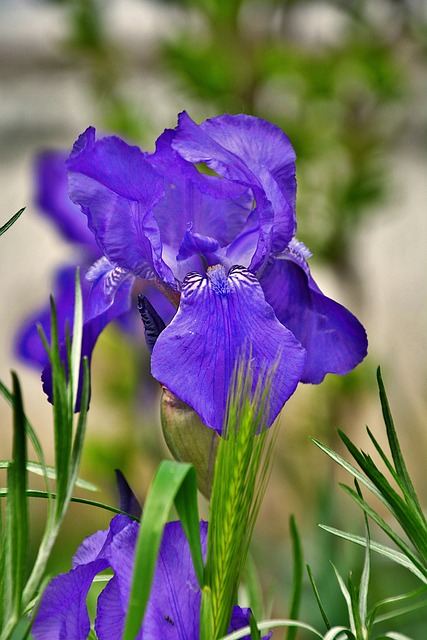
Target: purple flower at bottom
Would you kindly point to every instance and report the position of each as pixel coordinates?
(173, 608)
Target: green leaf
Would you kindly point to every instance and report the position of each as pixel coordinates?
(395, 448)
(12, 221)
(364, 580)
(173, 482)
(30, 432)
(255, 633)
(387, 552)
(387, 529)
(298, 564)
(76, 347)
(253, 587)
(265, 625)
(17, 507)
(317, 598)
(39, 470)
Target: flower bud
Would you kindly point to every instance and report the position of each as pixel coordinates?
(188, 439)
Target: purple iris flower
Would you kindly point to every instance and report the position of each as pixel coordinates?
(173, 608)
(220, 245)
(52, 200)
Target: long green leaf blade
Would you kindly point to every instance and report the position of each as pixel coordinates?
(298, 571)
(395, 448)
(169, 480)
(383, 550)
(17, 507)
(12, 221)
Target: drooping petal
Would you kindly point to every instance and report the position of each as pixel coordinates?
(219, 318)
(256, 154)
(117, 189)
(93, 325)
(335, 340)
(62, 614)
(53, 201)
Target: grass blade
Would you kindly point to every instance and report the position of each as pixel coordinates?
(12, 221)
(170, 480)
(317, 598)
(395, 448)
(17, 507)
(298, 564)
(386, 552)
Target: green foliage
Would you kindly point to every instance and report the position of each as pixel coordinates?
(403, 505)
(243, 463)
(18, 591)
(173, 483)
(12, 221)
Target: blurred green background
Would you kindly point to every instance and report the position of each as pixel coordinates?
(346, 80)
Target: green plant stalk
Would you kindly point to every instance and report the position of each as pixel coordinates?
(16, 544)
(240, 479)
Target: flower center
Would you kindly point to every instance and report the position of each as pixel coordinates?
(219, 279)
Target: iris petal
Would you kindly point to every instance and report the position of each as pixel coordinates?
(117, 189)
(62, 612)
(256, 154)
(333, 337)
(218, 318)
(93, 324)
(53, 201)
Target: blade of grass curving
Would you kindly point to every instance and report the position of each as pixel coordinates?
(397, 612)
(350, 468)
(298, 564)
(415, 559)
(265, 625)
(37, 469)
(35, 493)
(395, 447)
(408, 517)
(17, 523)
(317, 598)
(171, 479)
(386, 552)
(348, 599)
(12, 221)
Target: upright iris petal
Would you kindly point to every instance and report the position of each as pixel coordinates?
(117, 189)
(253, 153)
(220, 317)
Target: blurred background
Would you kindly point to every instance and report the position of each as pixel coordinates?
(347, 81)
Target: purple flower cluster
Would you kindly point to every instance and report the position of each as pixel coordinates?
(173, 610)
(219, 244)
